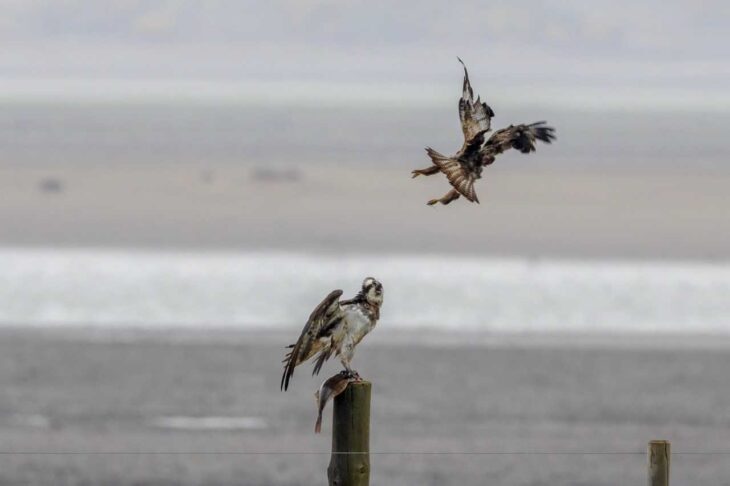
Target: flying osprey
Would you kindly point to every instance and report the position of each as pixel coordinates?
(465, 167)
(336, 326)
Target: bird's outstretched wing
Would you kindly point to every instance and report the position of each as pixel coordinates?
(458, 176)
(520, 137)
(327, 313)
(475, 116)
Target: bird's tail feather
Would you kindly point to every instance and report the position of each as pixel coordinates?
(436, 157)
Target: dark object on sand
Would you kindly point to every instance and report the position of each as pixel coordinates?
(207, 175)
(266, 174)
(329, 389)
(336, 326)
(465, 167)
(50, 185)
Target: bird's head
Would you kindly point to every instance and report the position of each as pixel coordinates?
(372, 290)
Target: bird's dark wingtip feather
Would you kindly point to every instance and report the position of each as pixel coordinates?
(542, 131)
(466, 85)
(288, 372)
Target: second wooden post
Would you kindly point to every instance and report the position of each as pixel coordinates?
(350, 461)
(659, 454)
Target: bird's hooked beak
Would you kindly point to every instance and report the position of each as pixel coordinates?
(372, 289)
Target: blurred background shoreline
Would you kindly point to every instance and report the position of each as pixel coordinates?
(182, 181)
(157, 258)
(616, 185)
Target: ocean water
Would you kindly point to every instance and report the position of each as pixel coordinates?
(277, 291)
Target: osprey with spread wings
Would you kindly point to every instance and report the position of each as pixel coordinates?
(465, 167)
(336, 327)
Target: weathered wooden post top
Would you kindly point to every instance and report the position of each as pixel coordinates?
(660, 452)
(350, 461)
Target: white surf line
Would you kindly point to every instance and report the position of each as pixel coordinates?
(209, 423)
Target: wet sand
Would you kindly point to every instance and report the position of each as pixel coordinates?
(91, 395)
(542, 210)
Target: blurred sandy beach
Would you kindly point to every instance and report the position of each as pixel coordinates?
(616, 184)
(528, 211)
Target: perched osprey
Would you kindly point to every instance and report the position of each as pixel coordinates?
(336, 326)
(465, 167)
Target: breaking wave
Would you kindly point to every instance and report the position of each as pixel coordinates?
(149, 289)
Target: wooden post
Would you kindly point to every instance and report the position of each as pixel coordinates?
(659, 453)
(351, 437)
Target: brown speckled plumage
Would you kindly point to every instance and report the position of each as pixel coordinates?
(335, 326)
(465, 167)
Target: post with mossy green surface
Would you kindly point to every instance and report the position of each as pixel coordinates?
(660, 452)
(350, 461)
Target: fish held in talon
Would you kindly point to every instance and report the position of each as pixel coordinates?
(465, 167)
(328, 390)
(336, 327)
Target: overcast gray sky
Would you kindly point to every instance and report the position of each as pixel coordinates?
(584, 53)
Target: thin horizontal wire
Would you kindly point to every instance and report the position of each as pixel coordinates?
(379, 453)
